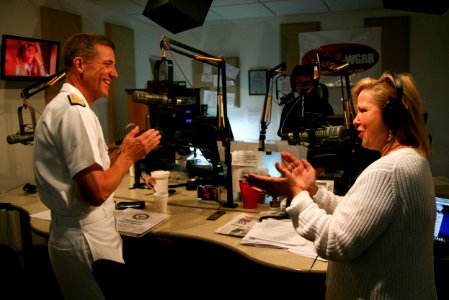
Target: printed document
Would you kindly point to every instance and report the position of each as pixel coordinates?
(136, 222)
(239, 226)
(279, 234)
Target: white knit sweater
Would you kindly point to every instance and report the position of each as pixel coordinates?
(378, 238)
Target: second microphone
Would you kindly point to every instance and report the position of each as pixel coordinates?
(330, 133)
(155, 99)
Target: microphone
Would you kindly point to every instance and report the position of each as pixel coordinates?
(287, 98)
(330, 133)
(316, 68)
(305, 90)
(20, 138)
(341, 67)
(145, 98)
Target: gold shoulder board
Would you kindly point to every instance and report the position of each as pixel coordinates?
(76, 100)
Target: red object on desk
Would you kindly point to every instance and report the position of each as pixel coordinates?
(250, 196)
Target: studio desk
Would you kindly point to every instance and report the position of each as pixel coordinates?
(186, 243)
(185, 248)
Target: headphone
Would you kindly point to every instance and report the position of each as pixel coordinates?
(29, 188)
(395, 113)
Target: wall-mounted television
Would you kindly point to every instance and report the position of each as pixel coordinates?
(28, 59)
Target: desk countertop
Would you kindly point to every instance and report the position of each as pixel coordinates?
(187, 219)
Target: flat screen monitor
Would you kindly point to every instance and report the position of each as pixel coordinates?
(28, 59)
(441, 232)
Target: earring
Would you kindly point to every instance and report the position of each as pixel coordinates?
(390, 135)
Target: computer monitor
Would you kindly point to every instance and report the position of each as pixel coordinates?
(441, 230)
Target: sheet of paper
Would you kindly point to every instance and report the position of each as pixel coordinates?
(43, 215)
(279, 234)
(239, 226)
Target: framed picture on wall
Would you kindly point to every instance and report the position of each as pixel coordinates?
(257, 82)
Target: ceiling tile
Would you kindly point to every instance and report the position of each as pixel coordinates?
(123, 6)
(243, 11)
(348, 5)
(141, 3)
(295, 7)
(218, 3)
(213, 16)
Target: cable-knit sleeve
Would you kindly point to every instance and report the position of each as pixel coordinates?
(342, 232)
(326, 200)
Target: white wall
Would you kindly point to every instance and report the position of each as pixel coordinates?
(257, 44)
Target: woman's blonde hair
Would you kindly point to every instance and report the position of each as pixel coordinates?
(412, 130)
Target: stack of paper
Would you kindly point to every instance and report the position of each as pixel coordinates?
(279, 234)
(239, 226)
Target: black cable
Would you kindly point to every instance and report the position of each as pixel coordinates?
(220, 204)
(314, 261)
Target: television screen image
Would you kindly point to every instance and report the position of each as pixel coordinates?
(28, 59)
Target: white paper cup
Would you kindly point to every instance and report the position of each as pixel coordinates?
(159, 181)
(161, 202)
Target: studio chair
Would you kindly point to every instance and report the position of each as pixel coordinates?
(15, 250)
(16, 232)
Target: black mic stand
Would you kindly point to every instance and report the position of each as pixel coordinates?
(265, 119)
(162, 85)
(26, 93)
(222, 114)
(265, 116)
(356, 152)
(138, 175)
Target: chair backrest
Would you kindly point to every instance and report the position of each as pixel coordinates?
(15, 251)
(15, 232)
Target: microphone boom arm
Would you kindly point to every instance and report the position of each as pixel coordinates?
(222, 112)
(201, 55)
(40, 86)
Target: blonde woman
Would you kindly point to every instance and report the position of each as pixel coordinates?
(29, 60)
(378, 238)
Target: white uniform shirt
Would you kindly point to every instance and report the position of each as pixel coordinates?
(68, 139)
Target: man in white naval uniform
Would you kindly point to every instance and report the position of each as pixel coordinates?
(75, 176)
